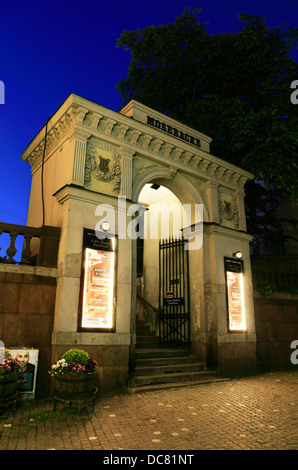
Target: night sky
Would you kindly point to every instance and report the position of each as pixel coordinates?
(51, 49)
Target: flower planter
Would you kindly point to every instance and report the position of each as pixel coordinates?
(8, 386)
(75, 388)
(75, 378)
(76, 385)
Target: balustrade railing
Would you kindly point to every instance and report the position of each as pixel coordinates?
(39, 247)
(278, 273)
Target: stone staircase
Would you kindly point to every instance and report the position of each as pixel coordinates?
(161, 368)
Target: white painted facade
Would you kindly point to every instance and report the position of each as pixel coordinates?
(140, 151)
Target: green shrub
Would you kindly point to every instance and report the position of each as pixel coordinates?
(78, 356)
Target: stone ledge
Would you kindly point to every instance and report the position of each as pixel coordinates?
(90, 339)
(237, 337)
(23, 269)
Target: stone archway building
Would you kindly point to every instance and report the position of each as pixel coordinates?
(93, 157)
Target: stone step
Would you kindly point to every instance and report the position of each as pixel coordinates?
(188, 376)
(147, 342)
(164, 361)
(159, 367)
(144, 338)
(173, 385)
(144, 330)
(145, 353)
(167, 369)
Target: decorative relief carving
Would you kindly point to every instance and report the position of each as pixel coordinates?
(102, 168)
(34, 159)
(172, 171)
(228, 209)
(88, 119)
(102, 125)
(116, 130)
(138, 165)
(128, 135)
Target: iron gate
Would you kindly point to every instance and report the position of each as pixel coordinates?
(174, 315)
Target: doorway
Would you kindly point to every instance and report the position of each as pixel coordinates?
(162, 268)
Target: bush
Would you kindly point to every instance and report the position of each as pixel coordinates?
(75, 361)
(78, 356)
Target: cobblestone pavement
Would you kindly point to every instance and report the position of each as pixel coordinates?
(259, 412)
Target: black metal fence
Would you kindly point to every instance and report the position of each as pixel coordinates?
(275, 273)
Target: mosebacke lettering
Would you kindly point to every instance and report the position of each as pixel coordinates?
(173, 131)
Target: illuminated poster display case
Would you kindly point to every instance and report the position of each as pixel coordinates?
(235, 294)
(98, 283)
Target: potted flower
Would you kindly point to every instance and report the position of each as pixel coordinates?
(9, 373)
(75, 373)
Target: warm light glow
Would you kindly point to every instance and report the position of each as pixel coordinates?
(98, 294)
(242, 302)
(105, 226)
(237, 321)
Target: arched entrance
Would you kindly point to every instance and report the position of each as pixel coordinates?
(165, 267)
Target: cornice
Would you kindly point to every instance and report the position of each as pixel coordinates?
(212, 228)
(78, 115)
(72, 192)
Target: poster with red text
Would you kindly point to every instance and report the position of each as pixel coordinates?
(98, 293)
(235, 301)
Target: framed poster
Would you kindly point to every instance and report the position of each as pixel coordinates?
(98, 283)
(27, 379)
(235, 294)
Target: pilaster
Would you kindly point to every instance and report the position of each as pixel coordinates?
(212, 194)
(126, 180)
(241, 208)
(80, 147)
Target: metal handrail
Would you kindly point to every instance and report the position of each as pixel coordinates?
(146, 302)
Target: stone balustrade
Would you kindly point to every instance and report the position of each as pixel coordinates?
(40, 245)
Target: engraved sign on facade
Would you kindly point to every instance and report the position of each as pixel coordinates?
(173, 131)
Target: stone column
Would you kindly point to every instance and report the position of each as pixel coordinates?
(212, 195)
(126, 177)
(241, 208)
(79, 158)
(232, 352)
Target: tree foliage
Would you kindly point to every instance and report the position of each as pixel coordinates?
(234, 87)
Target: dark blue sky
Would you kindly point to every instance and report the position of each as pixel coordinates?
(50, 49)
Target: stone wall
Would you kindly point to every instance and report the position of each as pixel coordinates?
(237, 358)
(276, 327)
(112, 363)
(27, 306)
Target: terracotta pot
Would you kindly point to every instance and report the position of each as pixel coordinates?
(8, 386)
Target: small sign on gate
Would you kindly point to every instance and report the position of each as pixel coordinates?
(173, 301)
(169, 294)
